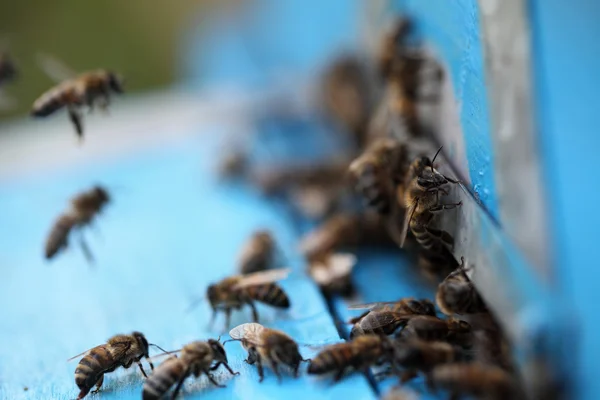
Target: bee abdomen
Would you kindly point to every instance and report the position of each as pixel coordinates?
(48, 103)
(162, 379)
(270, 294)
(57, 239)
(91, 367)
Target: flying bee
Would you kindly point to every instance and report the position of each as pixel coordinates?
(458, 295)
(333, 272)
(270, 346)
(430, 328)
(75, 91)
(376, 172)
(259, 253)
(386, 317)
(359, 354)
(119, 351)
(8, 70)
(236, 291)
(199, 357)
(84, 207)
(483, 381)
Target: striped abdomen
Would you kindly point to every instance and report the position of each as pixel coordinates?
(333, 358)
(163, 378)
(270, 293)
(58, 237)
(374, 189)
(54, 99)
(91, 368)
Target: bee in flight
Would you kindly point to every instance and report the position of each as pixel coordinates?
(196, 358)
(386, 317)
(259, 253)
(359, 354)
(236, 291)
(270, 346)
(84, 207)
(119, 351)
(75, 91)
(458, 295)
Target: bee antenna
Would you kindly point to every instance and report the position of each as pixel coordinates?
(228, 340)
(434, 157)
(219, 339)
(158, 347)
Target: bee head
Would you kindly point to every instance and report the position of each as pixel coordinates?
(115, 82)
(356, 331)
(141, 342)
(218, 350)
(431, 178)
(102, 194)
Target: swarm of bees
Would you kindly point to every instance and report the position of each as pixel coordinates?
(387, 191)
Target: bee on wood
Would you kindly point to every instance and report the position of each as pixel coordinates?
(84, 207)
(430, 328)
(8, 70)
(197, 358)
(258, 254)
(333, 273)
(359, 354)
(458, 295)
(377, 171)
(419, 355)
(475, 379)
(119, 351)
(75, 91)
(236, 291)
(386, 317)
(269, 346)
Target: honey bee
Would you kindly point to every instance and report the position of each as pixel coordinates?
(391, 44)
(270, 346)
(377, 171)
(419, 355)
(332, 273)
(258, 254)
(359, 354)
(119, 351)
(386, 317)
(84, 207)
(458, 295)
(475, 379)
(236, 291)
(86, 89)
(8, 70)
(430, 328)
(196, 358)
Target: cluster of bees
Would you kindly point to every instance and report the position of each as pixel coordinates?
(394, 180)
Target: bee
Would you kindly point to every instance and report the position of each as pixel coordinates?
(270, 346)
(483, 381)
(84, 207)
(8, 70)
(391, 44)
(332, 273)
(386, 317)
(458, 295)
(258, 254)
(430, 328)
(87, 89)
(359, 354)
(119, 351)
(236, 291)
(197, 358)
(419, 355)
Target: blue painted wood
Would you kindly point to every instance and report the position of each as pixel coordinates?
(452, 29)
(171, 231)
(566, 65)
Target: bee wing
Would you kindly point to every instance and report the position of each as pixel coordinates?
(81, 354)
(57, 70)
(383, 318)
(262, 277)
(371, 306)
(405, 225)
(335, 266)
(250, 332)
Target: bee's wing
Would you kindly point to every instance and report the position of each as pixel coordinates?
(337, 265)
(383, 318)
(81, 354)
(262, 277)
(57, 70)
(371, 306)
(409, 214)
(249, 332)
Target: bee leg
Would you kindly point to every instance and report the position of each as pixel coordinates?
(86, 249)
(441, 235)
(227, 318)
(226, 366)
(212, 379)
(254, 312)
(275, 368)
(178, 387)
(340, 374)
(98, 385)
(142, 369)
(150, 362)
(75, 117)
(261, 372)
(442, 207)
